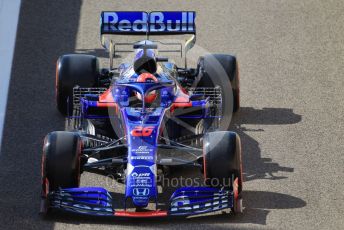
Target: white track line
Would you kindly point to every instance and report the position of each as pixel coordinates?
(9, 14)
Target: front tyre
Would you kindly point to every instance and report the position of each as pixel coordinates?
(61, 161)
(60, 164)
(222, 165)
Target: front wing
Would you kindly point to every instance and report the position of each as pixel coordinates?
(97, 201)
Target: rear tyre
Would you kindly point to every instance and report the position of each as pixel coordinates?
(222, 163)
(222, 70)
(73, 70)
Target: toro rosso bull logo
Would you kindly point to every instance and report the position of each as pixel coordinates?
(181, 22)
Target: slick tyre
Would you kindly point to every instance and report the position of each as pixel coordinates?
(221, 70)
(61, 161)
(74, 70)
(222, 163)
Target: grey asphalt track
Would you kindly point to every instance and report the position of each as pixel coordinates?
(291, 56)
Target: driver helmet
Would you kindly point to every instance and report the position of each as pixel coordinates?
(152, 95)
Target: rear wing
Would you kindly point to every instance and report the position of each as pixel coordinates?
(144, 23)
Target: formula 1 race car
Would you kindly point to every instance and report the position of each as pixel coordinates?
(141, 119)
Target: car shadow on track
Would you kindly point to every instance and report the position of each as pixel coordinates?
(258, 204)
(255, 166)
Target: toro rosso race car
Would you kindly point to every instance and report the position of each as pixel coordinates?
(140, 119)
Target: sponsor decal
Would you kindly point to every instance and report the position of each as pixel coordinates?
(142, 22)
(140, 175)
(144, 150)
(141, 180)
(142, 158)
(141, 185)
(140, 199)
(141, 191)
(181, 202)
